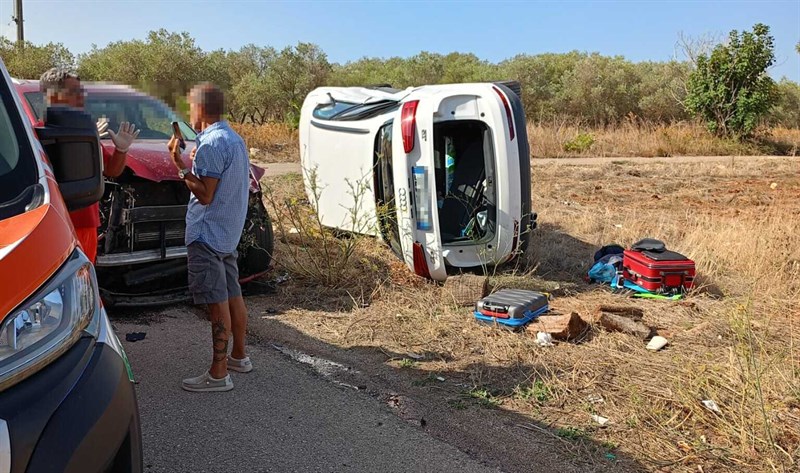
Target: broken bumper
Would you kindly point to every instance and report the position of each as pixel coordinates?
(141, 256)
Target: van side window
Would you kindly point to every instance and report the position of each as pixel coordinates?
(328, 110)
(36, 102)
(18, 170)
(384, 189)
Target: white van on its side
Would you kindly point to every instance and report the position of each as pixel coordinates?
(440, 172)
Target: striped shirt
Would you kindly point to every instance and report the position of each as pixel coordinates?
(221, 154)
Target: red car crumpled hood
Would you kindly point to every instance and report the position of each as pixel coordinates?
(150, 159)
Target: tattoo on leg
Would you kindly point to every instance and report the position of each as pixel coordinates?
(220, 336)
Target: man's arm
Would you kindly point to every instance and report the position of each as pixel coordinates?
(202, 187)
(115, 164)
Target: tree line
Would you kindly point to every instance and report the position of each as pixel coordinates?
(266, 84)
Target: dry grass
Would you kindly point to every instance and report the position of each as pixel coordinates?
(733, 341)
(632, 138)
(276, 142)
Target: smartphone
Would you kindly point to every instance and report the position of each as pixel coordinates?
(176, 129)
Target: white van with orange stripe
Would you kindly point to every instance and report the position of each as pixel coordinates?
(440, 172)
(67, 399)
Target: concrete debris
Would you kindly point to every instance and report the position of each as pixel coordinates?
(617, 323)
(465, 289)
(631, 312)
(563, 327)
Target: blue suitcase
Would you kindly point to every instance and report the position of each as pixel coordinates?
(511, 307)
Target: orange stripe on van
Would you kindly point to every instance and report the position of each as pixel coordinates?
(43, 242)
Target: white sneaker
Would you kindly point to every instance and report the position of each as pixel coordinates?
(205, 383)
(242, 366)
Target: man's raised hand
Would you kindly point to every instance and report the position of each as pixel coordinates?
(124, 137)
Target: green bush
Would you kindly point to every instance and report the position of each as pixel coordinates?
(730, 89)
(580, 144)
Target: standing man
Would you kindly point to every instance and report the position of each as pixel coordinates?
(219, 181)
(63, 88)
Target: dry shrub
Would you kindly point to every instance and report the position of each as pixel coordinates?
(314, 253)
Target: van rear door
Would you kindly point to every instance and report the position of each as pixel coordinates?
(415, 195)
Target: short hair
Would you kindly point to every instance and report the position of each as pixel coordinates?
(210, 97)
(55, 79)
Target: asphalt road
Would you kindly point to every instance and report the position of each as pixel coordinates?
(279, 418)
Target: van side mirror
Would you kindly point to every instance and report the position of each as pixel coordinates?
(70, 140)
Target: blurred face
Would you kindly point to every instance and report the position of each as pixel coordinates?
(195, 114)
(72, 95)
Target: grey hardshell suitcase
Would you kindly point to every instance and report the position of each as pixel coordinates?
(511, 307)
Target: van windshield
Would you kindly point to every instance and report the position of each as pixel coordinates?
(18, 173)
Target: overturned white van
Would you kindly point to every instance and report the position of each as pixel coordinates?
(440, 172)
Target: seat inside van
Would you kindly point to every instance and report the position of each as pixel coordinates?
(467, 208)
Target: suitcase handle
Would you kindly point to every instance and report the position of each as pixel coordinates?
(682, 274)
(501, 309)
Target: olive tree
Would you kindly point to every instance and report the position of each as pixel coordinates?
(730, 90)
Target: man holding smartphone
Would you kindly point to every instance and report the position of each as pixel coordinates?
(63, 88)
(219, 181)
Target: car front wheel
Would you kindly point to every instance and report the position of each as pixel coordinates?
(257, 243)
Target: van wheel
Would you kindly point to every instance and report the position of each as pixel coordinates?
(257, 243)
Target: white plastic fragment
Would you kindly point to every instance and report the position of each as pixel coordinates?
(599, 419)
(595, 399)
(657, 343)
(544, 339)
(712, 406)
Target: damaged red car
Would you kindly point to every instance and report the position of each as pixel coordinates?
(141, 256)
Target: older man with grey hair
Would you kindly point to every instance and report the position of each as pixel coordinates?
(63, 88)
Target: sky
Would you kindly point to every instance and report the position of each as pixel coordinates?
(348, 30)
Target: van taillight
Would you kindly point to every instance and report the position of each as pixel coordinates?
(408, 124)
(420, 261)
(508, 112)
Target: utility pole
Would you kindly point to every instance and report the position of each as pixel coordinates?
(18, 20)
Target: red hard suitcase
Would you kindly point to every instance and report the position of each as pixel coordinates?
(658, 271)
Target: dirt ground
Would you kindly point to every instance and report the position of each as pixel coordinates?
(731, 341)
